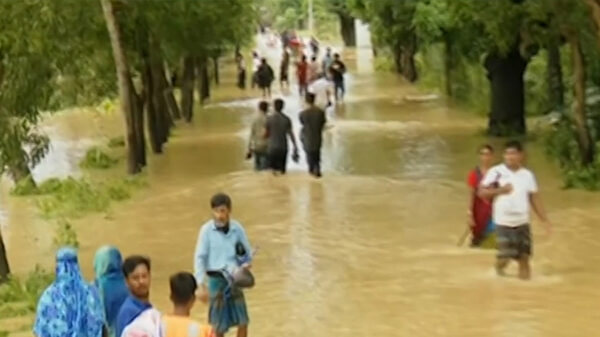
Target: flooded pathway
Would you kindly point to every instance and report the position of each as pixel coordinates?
(369, 249)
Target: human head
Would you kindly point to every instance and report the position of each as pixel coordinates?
(513, 154)
(107, 261)
(310, 98)
(254, 54)
(278, 104)
(486, 155)
(336, 56)
(221, 208)
(183, 290)
(303, 58)
(263, 60)
(67, 265)
(136, 269)
(263, 106)
(328, 50)
(313, 59)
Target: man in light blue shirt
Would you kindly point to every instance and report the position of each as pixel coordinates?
(222, 245)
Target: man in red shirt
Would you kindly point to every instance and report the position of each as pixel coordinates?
(480, 209)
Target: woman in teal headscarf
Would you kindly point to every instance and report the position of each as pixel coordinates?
(69, 307)
(110, 283)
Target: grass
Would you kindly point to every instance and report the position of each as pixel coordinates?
(115, 142)
(19, 297)
(95, 158)
(65, 235)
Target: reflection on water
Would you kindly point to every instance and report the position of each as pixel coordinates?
(370, 248)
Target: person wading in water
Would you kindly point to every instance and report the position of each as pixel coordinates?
(515, 194)
(480, 209)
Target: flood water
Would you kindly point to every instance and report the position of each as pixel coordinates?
(369, 249)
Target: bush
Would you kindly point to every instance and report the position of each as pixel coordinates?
(73, 199)
(65, 235)
(95, 158)
(18, 297)
(25, 187)
(116, 142)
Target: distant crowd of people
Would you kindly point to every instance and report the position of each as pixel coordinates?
(117, 303)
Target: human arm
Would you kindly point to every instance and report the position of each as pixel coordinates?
(200, 261)
(538, 206)
(489, 187)
(292, 137)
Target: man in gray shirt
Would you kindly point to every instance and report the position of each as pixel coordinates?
(312, 120)
(278, 129)
(257, 146)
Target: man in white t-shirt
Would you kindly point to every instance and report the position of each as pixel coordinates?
(322, 88)
(515, 191)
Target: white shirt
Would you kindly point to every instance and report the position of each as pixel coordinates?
(256, 62)
(320, 88)
(511, 209)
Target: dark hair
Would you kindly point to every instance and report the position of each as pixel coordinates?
(336, 55)
(314, 58)
(263, 60)
(514, 144)
(310, 98)
(132, 262)
(220, 199)
(486, 147)
(303, 57)
(183, 287)
(263, 106)
(278, 104)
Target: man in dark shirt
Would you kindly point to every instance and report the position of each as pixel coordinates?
(278, 128)
(337, 70)
(312, 120)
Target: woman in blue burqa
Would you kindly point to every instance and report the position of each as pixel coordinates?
(110, 282)
(69, 307)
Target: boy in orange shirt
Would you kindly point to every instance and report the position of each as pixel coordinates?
(179, 323)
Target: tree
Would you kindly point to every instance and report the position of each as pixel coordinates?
(391, 26)
(347, 21)
(4, 268)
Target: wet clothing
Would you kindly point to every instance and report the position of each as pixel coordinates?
(110, 283)
(277, 160)
(69, 307)
(261, 161)
(339, 89)
(511, 209)
(302, 72)
(313, 120)
(227, 306)
(514, 242)
(327, 61)
(264, 76)
(337, 70)
(321, 88)
(178, 326)
(313, 158)
(130, 310)
(313, 71)
(258, 143)
(217, 251)
(481, 210)
(146, 324)
(278, 127)
(284, 69)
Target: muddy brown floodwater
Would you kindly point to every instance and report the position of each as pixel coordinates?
(370, 249)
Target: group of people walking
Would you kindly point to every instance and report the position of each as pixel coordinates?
(117, 303)
(502, 197)
(270, 131)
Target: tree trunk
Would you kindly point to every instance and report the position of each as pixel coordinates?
(505, 73)
(203, 78)
(409, 68)
(127, 94)
(4, 267)
(348, 29)
(595, 12)
(555, 79)
(169, 95)
(151, 111)
(584, 139)
(187, 88)
(216, 69)
(138, 128)
(448, 64)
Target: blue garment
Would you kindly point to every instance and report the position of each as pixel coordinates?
(130, 310)
(69, 307)
(216, 250)
(110, 283)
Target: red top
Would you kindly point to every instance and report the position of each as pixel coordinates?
(302, 71)
(481, 208)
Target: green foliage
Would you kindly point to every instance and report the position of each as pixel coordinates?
(25, 186)
(95, 158)
(65, 235)
(116, 142)
(18, 297)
